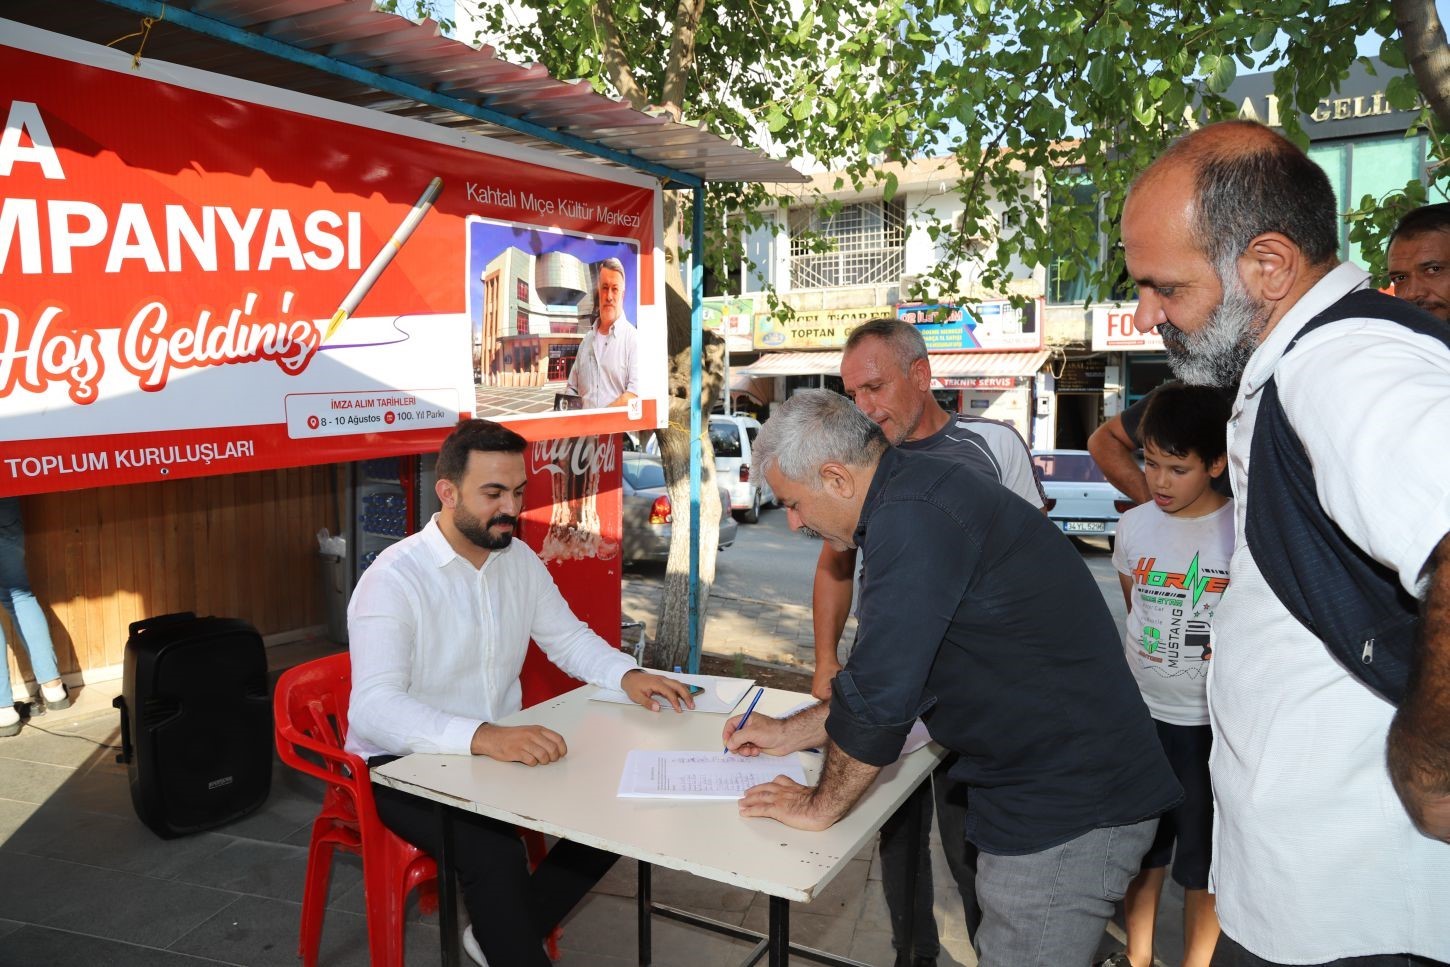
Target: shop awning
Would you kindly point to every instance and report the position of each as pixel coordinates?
(346, 50)
(948, 365)
(943, 365)
(794, 364)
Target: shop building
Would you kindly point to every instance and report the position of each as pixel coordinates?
(985, 357)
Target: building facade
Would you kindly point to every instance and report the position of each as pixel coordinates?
(1055, 368)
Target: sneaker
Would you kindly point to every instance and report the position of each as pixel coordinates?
(1119, 959)
(56, 696)
(9, 722)
(470, 946)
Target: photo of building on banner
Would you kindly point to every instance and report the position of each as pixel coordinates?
(185, 293)
(553, 316)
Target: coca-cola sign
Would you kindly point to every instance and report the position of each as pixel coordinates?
(572, 455)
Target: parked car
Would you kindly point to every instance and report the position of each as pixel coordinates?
(1080, 500)
(648, 514)
(733, 437)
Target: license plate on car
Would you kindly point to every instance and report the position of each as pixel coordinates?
(1084, 526)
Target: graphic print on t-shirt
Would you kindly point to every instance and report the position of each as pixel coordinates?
(1175, 609)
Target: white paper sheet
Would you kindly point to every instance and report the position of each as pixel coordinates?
(720, 694)
(654, 774)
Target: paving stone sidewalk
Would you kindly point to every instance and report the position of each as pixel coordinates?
(767, 631)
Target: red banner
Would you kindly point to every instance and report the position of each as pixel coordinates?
(202, 275)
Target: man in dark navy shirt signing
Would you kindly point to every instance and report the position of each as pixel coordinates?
(978, 616)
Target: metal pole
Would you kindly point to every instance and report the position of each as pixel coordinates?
(697, 318)
(729, 397)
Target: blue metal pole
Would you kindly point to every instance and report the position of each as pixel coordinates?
(230, 33)
(697, 319)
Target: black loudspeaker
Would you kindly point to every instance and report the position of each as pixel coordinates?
(196, 722)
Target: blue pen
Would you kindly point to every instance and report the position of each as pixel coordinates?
(745, 718)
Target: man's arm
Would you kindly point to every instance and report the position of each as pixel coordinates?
(622, 399)
(381, 713)
(533, 745)
(830, 607)
(1419, 741)
(1112, 450)
(844, 781)
(804, 730)
(1126, 582)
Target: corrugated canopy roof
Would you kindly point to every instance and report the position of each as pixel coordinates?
(423, 75)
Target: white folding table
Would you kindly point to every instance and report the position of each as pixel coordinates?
(576, 799)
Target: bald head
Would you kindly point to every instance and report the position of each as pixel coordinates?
(1223, 234)
(1246, 180)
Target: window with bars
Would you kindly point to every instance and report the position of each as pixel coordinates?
(864, 245)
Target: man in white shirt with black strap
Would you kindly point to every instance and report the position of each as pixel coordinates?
(439, 626)
(1320, 856)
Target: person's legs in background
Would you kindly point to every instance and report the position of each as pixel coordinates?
(951, 821)
(1188, 747)
(896, 846)
(29, 620)
(1185, 835)
(1140, 904)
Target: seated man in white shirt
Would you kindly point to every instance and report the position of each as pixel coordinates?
(439, 625)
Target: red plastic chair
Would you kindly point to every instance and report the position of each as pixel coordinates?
(310, 711)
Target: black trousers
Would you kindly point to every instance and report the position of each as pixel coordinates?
(1230, 954)
(512, 909)
(896, 848)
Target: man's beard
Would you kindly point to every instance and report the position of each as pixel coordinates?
(1217, 354)
(900, 434)
(805, 531)
(472, 528)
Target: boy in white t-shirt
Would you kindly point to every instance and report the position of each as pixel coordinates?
(1172, 557)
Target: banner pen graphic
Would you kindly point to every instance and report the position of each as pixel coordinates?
(385, 256)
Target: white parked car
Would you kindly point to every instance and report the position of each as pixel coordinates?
(1080, 500)
(732, 437)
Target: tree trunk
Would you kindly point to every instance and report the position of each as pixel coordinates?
(672, 644)
(1423, 38)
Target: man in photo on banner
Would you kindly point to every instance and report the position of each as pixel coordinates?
(606, 370)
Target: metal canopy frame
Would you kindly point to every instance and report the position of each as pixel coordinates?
(671, 177)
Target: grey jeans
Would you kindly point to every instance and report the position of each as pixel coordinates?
(1049, 909)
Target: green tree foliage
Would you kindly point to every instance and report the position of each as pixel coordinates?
(1030, 96)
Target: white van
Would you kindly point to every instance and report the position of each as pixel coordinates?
(732, 438)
